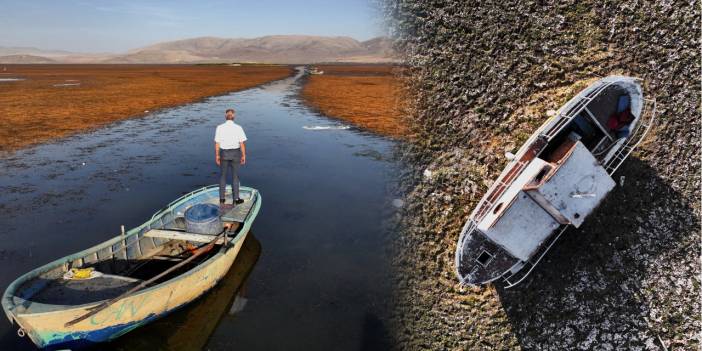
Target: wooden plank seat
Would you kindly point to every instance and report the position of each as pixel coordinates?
(181, 235)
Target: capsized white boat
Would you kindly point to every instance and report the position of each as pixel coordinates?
(556, 179)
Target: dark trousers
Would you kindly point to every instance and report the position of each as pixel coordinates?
(229, 159)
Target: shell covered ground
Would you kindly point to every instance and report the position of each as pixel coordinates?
(52, 101)
(364, 95)
(483, 76)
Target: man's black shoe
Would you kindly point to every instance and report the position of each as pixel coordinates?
(239, 201)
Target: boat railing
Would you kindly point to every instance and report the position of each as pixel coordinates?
(496, 190)
(646, 121)
(468, 229)
(566, 115)
(511, 279)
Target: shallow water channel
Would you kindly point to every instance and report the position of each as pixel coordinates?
(314, 276)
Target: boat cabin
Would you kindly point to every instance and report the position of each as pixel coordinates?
(547, 194)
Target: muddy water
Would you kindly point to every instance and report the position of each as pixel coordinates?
(321, 278)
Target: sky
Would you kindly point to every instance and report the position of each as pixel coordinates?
(118, 26)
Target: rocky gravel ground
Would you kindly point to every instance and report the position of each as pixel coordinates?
(481, 77)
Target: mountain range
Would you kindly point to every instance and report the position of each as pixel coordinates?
(286, 49)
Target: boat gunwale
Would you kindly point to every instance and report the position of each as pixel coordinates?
(9, 305)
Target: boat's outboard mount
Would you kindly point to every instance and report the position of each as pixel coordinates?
(203, 219)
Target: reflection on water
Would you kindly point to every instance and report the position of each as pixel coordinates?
(239, 302)
(324, 274)
(189, 328)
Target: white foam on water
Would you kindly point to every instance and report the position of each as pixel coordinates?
(67, 85)
(340, 127)
(11, 79)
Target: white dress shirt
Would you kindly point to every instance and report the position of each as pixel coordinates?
(229, 135)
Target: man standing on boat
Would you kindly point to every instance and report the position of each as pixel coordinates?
(230, 153)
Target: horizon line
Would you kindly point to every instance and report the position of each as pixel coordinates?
(188, 38)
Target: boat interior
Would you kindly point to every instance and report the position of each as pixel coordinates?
(602, 122)
(114, 269)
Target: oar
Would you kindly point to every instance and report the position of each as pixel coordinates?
(108, 303)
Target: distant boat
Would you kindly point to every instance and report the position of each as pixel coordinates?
(101, 293)
(556, 179)
(316, 71)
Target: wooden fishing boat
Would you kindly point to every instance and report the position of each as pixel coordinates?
(132, 279)
(556, 179)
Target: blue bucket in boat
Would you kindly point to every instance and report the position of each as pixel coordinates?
(203, 219)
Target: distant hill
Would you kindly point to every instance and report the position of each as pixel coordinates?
(25, 59)
(381, 45)
(15, 50)
(268, 49)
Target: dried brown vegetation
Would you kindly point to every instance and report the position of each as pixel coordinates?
(364, 95)
(57, 100)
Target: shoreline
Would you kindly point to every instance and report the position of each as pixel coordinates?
(363, 95)
(178, 86)
(84, 187)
